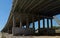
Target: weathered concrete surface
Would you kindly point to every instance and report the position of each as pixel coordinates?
(33, 37)
(11, 36)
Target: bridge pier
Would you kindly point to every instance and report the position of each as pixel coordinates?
(20, 29)
(51, 23)
(38, 24)
(33, 23)
(43, 23)
(27, 23)
(14, 22)
(47, 23)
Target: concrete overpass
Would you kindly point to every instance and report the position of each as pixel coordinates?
(24, 12)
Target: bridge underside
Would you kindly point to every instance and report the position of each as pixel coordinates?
(25, 12)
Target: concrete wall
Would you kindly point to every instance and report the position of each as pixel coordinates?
(18, 31)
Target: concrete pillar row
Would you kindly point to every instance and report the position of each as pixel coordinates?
(14, 22)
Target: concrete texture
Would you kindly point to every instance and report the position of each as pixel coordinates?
(34, 37)
(11, 36)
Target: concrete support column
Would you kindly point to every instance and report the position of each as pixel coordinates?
(38, 24)
(47, 23)
(8, 30)
(43, 23)
(51, 23)
(20, 23)
(33, 23)
(27, 23)
(14, 23)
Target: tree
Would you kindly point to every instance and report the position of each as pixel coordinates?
(56, 27)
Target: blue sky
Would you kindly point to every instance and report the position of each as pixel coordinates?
(5, 7)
